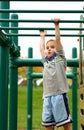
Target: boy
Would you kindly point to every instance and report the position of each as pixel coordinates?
(55, 86)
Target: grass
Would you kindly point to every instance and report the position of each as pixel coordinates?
(22, 107)
(37, 107)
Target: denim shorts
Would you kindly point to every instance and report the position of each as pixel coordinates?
(56, 111)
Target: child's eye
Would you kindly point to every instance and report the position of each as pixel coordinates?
(47, 48)
(52, 46)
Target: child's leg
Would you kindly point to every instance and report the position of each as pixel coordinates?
(67, 127)
(49, 128)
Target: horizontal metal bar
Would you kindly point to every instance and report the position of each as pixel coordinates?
(48, 35)
(40, 75)
(37, 62)
(53, 0)
(37, 75)
(41, 21)
(38, 28)
(40, 11)
(70, 75)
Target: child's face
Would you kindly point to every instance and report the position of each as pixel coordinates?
(50, 48)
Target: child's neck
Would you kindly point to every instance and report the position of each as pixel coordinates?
(51, 58)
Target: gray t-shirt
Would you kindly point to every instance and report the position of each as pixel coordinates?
(54, 75)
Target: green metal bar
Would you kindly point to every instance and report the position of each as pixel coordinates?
(4, 16)
(40, 75)
(41, 21)
(29, 95)
(37, 75)
(13, 96)
(13, 81)
(6, 41)
(4, 64)
(80, 53)
(74, 93)
(37, 62)
(15, 24)
(38, 28)
(14, 50)
(41, 11)
(48, 35)
(83, 44)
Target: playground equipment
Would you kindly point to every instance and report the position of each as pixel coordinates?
(9, 47)
(81, 66)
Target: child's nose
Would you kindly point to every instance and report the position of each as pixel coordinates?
(49, 48)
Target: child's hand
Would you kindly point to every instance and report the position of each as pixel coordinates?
(56, 20)
(42, 32)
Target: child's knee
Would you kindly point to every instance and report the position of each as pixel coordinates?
(67, 127)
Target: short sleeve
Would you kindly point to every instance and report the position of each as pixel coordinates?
(43, 59)
(60, 52)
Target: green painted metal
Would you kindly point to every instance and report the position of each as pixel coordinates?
(80, 53)
(41, 11)
(74, 93)
(39, 28)
(13, 81)
(14, 24)
(37, 62)
(4, 63)
(48, 35)
(6, 41)
(40, 21)
(40, 75)
(29, 94)
(4, 16)
(83, 43)
(13, 97)
(4, 58)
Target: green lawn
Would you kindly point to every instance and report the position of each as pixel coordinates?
(37, 108)
(22, 107)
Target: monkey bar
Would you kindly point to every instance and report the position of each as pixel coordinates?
(41, 21)
(38, 28)
(40, 11)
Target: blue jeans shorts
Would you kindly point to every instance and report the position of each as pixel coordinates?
(55, 111)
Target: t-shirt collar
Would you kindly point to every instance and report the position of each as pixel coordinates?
(51, 58)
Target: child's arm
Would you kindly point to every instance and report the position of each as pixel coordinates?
(42, 42)
(57, 34)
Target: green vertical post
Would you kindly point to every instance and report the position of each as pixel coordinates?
(4, 5)
(80, 52)
(4, 64)
(83, 43)
(13, 83)
(14, 24)
(74, 93)
(13, 97)
(29, 91)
